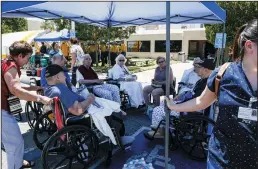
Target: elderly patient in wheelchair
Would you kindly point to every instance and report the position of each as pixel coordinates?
(87, 76)
(203, 70)
(78, 104)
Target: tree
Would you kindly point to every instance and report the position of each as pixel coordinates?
(238, 13)
(48, 25)
(97, 34)
(62, 24)
(14, 25)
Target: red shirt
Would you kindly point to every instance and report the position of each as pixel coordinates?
(88, 74)
(6, 65)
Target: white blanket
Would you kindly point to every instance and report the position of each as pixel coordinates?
(135, 92)
(99, 111)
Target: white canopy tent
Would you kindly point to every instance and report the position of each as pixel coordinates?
(125, 14)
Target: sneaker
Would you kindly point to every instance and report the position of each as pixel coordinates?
(158, 134)
(153, 127)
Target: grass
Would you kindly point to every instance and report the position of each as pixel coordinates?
(132, 69)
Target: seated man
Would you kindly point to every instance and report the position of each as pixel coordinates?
(203, 70)
(86, 75)
(189, 79)
(76, 104)
(60, 60)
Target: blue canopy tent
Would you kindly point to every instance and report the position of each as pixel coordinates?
(127, 14)
(63, 35)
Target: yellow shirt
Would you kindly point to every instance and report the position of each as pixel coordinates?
(92, 48)
(65, 49)
(103, 48)
(123, 47)
(117, 48)
(113, 48)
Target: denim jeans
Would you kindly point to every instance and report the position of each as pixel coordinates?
(12, 140)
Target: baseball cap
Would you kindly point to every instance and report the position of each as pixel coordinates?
(207, 63)
(197, 60)
(53, 70)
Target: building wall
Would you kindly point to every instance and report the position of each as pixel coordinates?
(184, 34)
(34, 25)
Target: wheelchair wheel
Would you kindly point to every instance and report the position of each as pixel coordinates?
(72, 147)
(33, 112)
(44, 128)
(193, 134)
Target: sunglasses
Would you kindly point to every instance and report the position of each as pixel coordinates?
(121, 60)
(161, 62)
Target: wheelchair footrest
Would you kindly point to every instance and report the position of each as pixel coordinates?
(127, 140)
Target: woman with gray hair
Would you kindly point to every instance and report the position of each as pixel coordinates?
(127, 81)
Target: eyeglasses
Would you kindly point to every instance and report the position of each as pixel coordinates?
(161, 61)
(121, 60)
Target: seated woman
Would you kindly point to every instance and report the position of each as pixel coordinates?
(156, 89)
(75, 104)
(203, 70)
(127, 82)
(86, 75)
(189, 79)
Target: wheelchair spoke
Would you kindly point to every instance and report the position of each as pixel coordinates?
(204, 152)
(43, 142)
(58, 164)
(57, 151)
(193, 148)
(70, 163)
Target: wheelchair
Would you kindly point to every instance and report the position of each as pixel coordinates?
(33, 110)
(190, 132)
(74, 141)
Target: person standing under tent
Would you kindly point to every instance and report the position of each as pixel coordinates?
(104, 53)
(20, 53)
(77, 58)
(65, 49)
(234, 140)
(43, 48)
(123, 49)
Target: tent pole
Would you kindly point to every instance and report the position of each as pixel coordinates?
(222, 47)
(109, 59)
(167, 79)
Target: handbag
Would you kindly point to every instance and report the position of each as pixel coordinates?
(13, 102)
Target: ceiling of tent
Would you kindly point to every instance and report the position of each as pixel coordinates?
(122, 13)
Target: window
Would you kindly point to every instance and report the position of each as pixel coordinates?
(138, 46)
(193, 46)
(175, 46)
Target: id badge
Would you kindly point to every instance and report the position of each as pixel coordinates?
(247, 113)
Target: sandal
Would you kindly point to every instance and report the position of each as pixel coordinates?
(30, 164)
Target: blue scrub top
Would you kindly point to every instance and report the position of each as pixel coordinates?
(233, 143)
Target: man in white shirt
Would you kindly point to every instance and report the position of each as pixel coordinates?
(189, 79)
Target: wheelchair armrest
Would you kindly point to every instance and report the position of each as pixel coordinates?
(81, 119)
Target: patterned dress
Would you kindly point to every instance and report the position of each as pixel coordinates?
(233, 144)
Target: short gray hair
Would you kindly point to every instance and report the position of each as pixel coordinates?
(120, 56)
